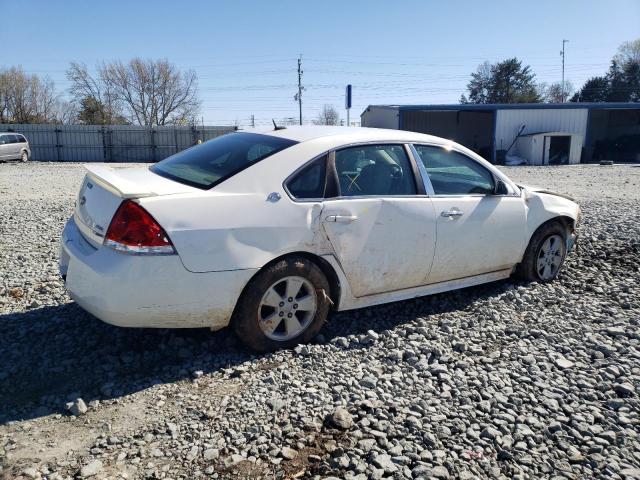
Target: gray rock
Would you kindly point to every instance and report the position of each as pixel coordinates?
(91, 469)
(625, 389)
(30, 472)
(341, 418)
(384, 462)
(368, 382)
(439, 472)
(562, 363)
(288, 453)
(615, 331)
(211, 454)
(233, 460)
(78, 407)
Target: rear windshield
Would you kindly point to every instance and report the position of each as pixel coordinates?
(212, 162)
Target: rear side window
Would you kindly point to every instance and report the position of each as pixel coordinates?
(382, 170)
(212, 162)
(12, 139)
(21, 139)
(309, 183)
(452, 173)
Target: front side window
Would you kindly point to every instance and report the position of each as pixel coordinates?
(212, 162)
(452, 173)
(309, 183)
(382, 170)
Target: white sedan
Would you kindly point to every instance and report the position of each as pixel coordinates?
(268, 232)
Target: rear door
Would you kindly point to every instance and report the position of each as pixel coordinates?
(478, 230)
(14, 146)
(381, 225)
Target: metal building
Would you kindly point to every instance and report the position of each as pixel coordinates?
(588, 131)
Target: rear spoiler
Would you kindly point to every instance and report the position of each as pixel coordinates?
(109, 179)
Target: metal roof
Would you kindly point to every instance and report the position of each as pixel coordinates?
(516, 106)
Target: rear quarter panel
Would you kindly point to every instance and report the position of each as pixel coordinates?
(233, 225)
(235, 231)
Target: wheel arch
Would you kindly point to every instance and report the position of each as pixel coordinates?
(326, 268)
(565, 220)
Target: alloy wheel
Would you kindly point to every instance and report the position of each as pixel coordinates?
(287, 308)
(550, 257)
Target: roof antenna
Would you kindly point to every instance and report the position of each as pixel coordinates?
(276, 127)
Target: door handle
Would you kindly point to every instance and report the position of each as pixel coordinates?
(340, 218)
(452, 213)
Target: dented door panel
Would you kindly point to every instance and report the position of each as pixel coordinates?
(382, 244)
(210, 234)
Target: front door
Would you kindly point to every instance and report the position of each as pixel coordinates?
(477, 231)
(477, 234)
(382, 230)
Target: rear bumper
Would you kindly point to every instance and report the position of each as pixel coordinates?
(146, 291)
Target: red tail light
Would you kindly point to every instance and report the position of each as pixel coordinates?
(134, 230)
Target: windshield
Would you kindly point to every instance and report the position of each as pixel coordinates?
(212, 162)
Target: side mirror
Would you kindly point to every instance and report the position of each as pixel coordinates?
(501, 188)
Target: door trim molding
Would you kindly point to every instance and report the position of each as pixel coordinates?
(348, 302)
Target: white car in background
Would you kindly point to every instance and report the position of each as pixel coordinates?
(14, 146)
(270, 231)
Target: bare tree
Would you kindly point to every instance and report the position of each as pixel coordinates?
(145, 92)
(328, 116)
(628, 52)
(153, 92)
(552, 93)
(26, 98)
(66, 112)
(99, 105)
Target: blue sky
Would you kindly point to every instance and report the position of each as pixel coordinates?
(245, 52)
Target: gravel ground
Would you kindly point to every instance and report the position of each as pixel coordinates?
(505, 380)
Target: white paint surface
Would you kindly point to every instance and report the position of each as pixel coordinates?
(382, 252)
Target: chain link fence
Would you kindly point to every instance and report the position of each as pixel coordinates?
(110, 143)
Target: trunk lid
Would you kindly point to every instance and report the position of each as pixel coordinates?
(104, 188)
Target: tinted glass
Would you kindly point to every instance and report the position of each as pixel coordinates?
(381, 170)
(452, 173)
(21, 139)
(214, 161)
(13, 139)
(309, 182)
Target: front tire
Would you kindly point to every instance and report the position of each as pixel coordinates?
(285, 304)
(545, 254)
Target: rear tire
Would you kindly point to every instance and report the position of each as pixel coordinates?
(545, 254)
(285, 304)
(24, 157)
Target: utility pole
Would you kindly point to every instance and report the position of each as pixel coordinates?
(298, 96)
(562, 53)
(253, 121)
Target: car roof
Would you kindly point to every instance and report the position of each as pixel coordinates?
(306, 133)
